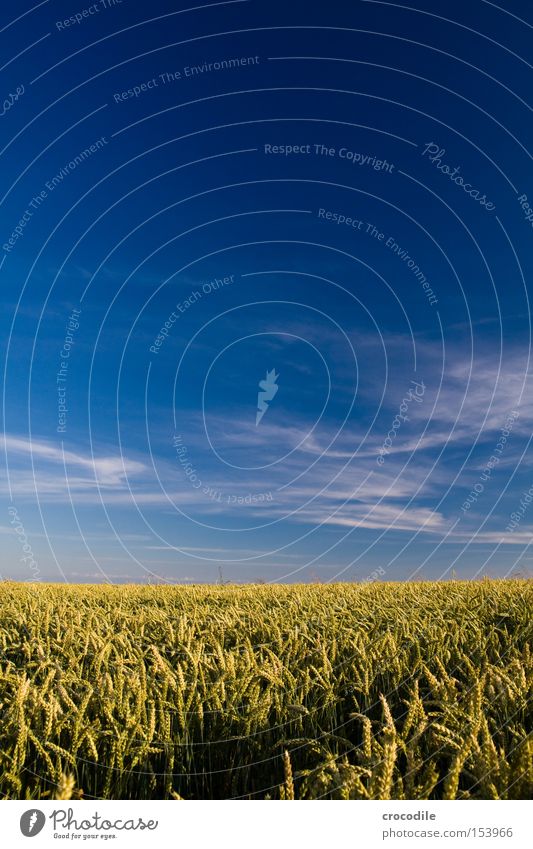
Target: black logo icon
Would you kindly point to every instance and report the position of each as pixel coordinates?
(32, 822)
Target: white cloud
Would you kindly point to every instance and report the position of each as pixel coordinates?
(106, 471)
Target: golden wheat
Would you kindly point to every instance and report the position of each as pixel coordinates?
(403, 691)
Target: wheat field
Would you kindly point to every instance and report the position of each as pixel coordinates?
(344, 691)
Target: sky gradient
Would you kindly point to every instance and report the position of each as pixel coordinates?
(335, 200)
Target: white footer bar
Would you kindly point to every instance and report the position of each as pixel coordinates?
(267, 824)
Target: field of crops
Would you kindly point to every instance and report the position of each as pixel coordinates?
(402, 691)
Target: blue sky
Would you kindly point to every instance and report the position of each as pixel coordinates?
(193, 197)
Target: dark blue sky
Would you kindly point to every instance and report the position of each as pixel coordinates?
(339, 194)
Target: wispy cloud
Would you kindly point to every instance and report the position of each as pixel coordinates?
(104, 470)
(329, 477)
